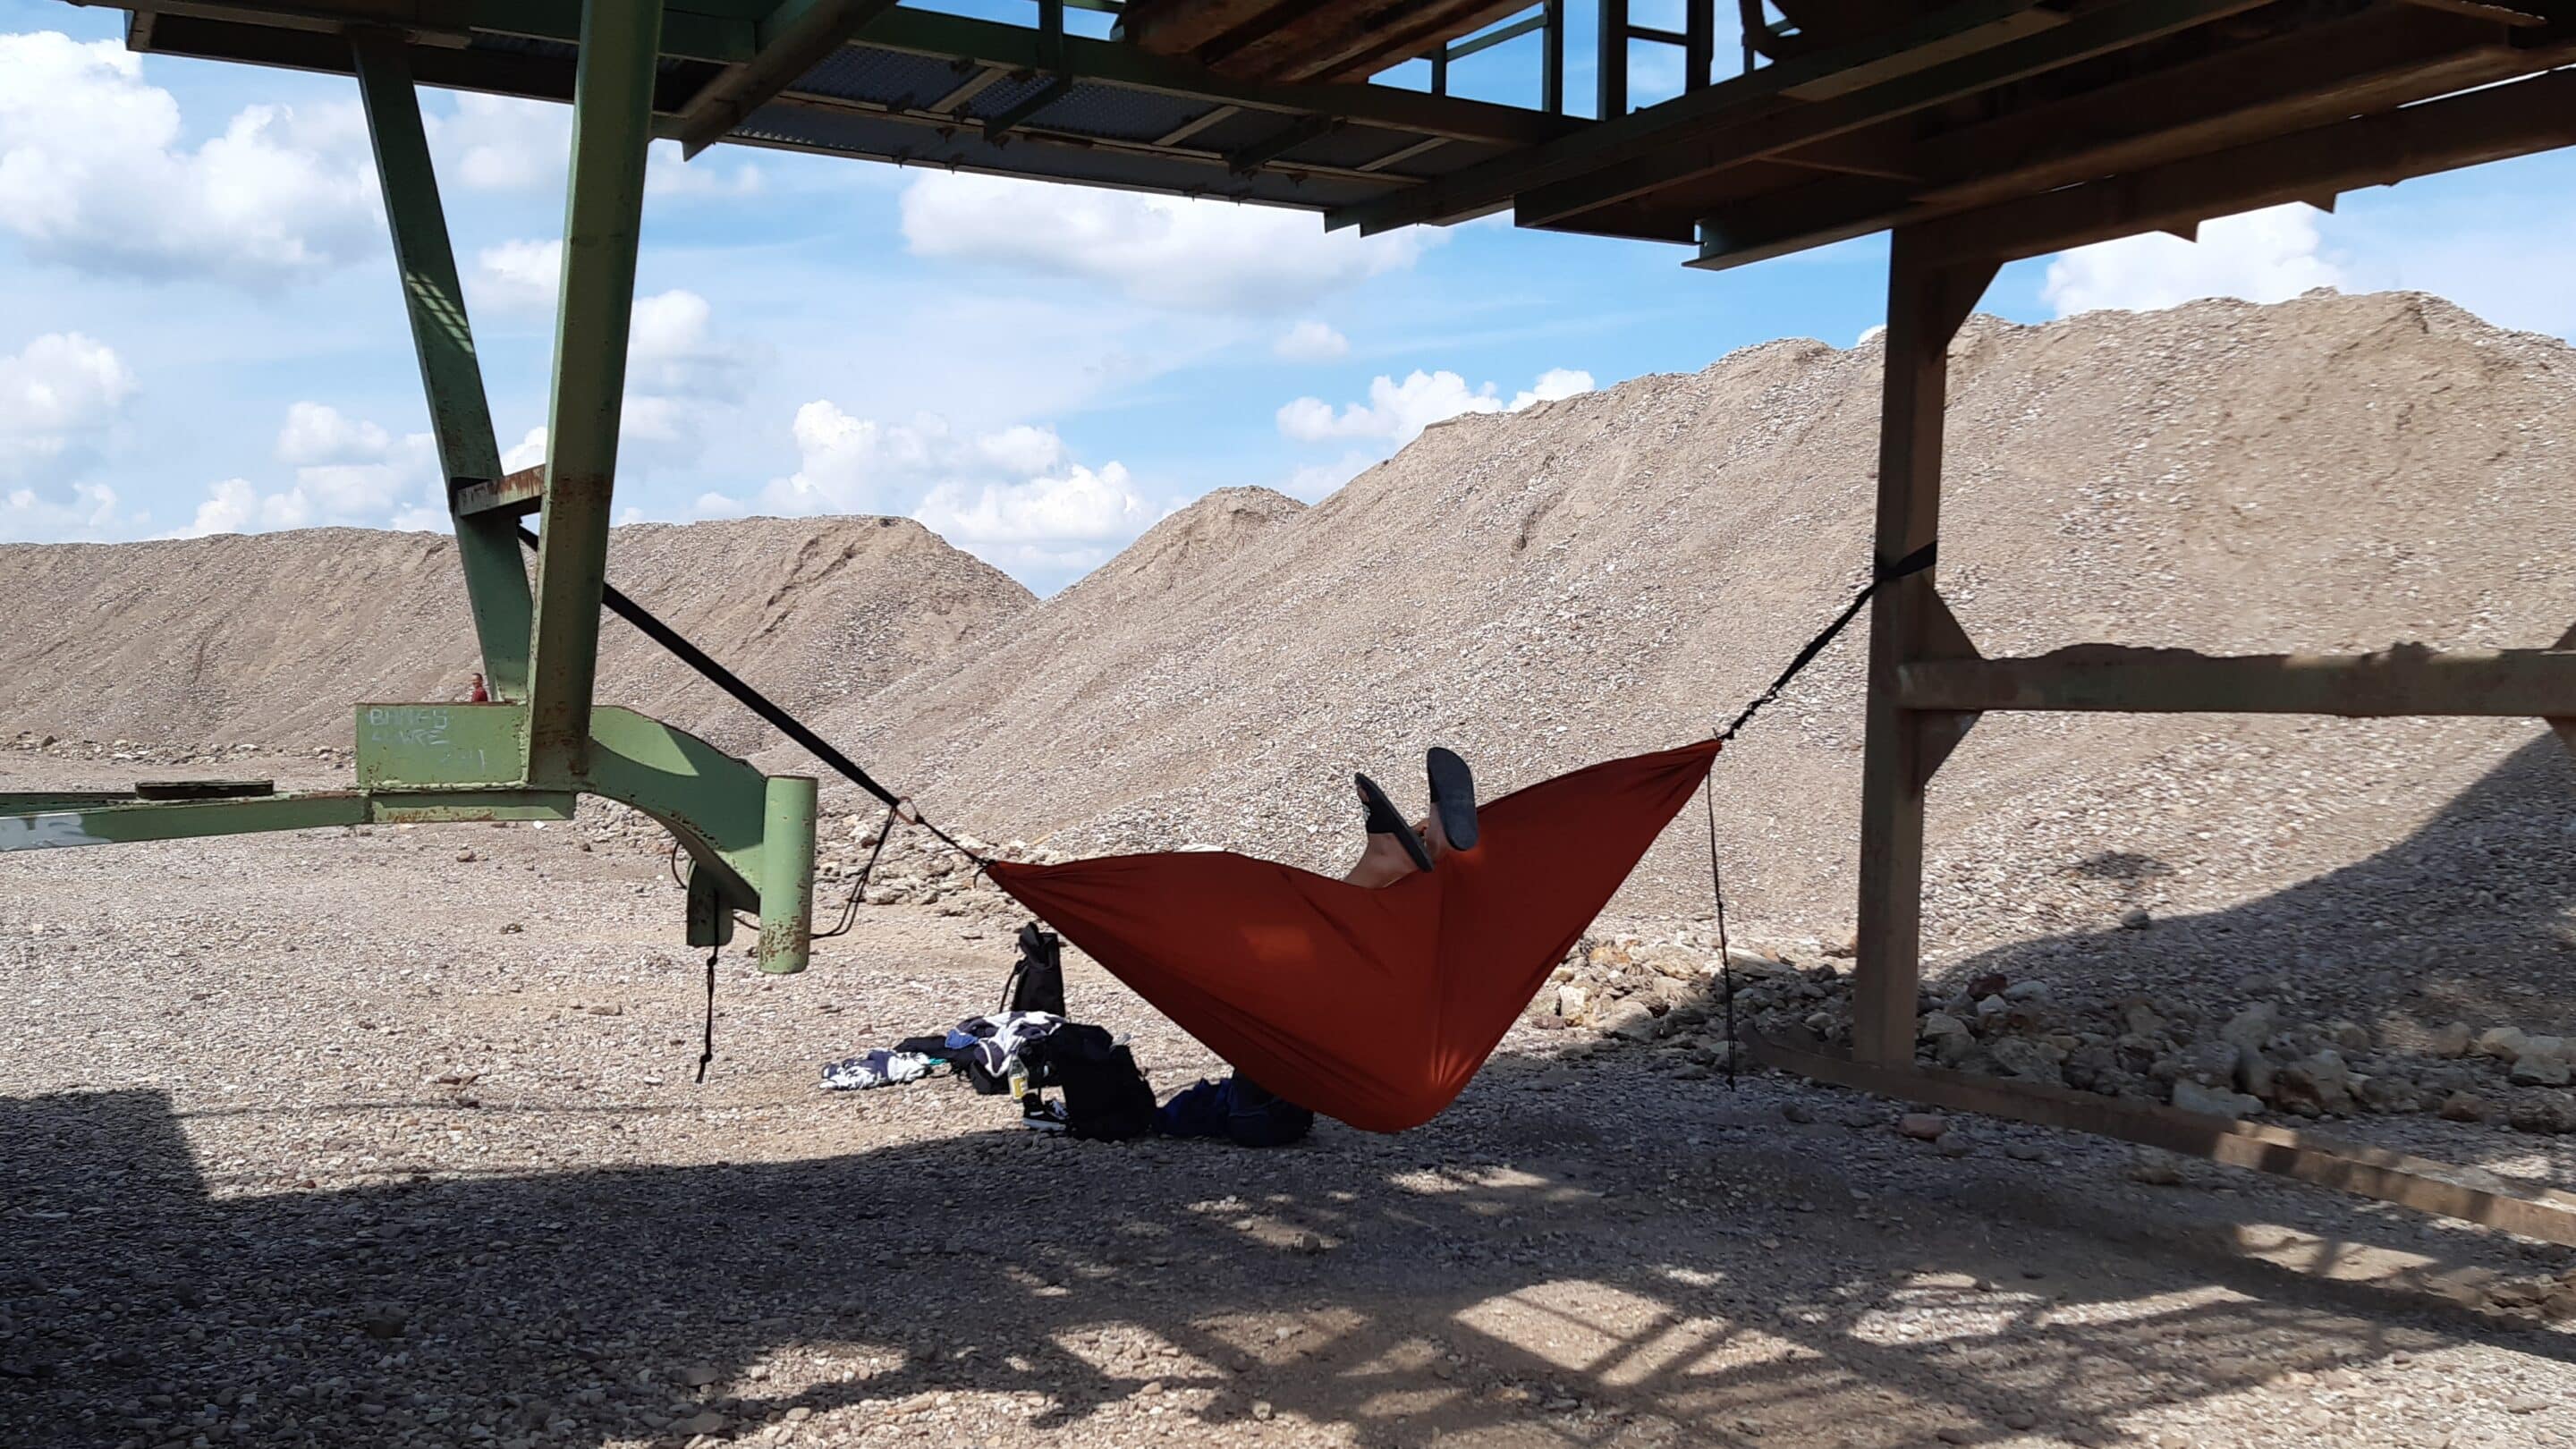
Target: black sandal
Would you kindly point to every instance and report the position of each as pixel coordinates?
(1383, 820)
(1453, 797)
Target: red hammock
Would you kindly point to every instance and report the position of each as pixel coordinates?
(1372, 1006)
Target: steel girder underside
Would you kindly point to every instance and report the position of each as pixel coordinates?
(530, 755)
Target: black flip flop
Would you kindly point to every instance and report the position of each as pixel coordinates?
(1383, 820)
(1453, 797)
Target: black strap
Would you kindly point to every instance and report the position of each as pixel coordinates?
(1717, 890)
(707, 1053)
(757, 702)
(859, 888)
(1883, 573)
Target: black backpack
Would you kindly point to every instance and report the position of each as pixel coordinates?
(1105, 1097)
(1037, 979)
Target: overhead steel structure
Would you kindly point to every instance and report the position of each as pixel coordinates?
(1975, 131)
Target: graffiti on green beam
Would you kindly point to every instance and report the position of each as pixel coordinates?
(53, 830)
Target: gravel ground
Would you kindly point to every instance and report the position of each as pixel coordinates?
(341, 1139)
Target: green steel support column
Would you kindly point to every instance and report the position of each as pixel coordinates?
(612, 111)
(487, 545)
(787, 875)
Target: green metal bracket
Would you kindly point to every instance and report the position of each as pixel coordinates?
(496, 580)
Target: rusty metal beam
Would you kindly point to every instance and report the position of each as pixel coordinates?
(2412, 1182)
(2399, 682)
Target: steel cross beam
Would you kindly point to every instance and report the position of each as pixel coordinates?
(487, 545)
(612, 120)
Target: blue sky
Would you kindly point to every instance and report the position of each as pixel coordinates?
(200, 329)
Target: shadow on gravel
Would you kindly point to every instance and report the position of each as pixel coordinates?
(2474, 914)
(1564, 1300)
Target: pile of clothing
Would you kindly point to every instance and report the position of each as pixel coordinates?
(1030, 1046)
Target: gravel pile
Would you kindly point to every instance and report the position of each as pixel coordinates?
(1621, 570)
(268, 639)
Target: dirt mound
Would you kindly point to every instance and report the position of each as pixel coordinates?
(1620, 570)
(268, 639)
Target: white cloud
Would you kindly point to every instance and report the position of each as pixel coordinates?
(1397, 412)
(1015, 496)
(1554, 385)
(1073, 521)
(674, 351)
(56, 393)
(850, 464)
(94, 173)
(1163, 251)
(503, 143)
(1311, 341)
(347, 471)
(517, 276)
(92, 512)
(528, 452)
(685, 380)
(2262, 256)
(318, 434)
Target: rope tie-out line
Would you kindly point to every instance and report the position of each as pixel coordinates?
(1884, 573)
(761, 705)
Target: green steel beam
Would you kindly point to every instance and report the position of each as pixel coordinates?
(603, 216)
(713, 803)
(487, 544)
(137, 820)
(793, 39)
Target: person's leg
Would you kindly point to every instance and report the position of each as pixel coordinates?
(1394, 850)
(1382, 862)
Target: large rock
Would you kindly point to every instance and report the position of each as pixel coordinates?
(2542, 1061)
(2388, 1092)
(2191, 1096)
(2210, 1063)
(2503, 1043)
(2255, 1075)
(1629, 1020)
(2250, 1028)
(1949, 1038)
(2029, 1060)
(2553, 1112)
(2453, 1040)
(2467, 1107)
(2315, 1085)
